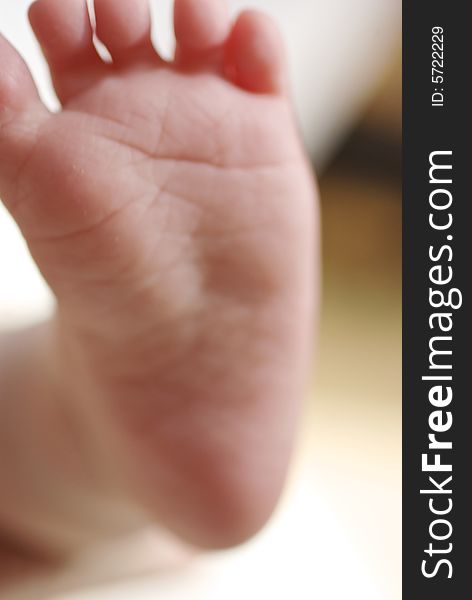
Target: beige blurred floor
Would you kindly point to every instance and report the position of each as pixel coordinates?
(355, 422)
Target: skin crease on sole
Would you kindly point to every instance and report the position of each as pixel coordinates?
(172, 211)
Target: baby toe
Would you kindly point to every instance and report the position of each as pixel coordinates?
(65, 34)
(201, 29)
(17, 90)
(125, 29)
(21, 114)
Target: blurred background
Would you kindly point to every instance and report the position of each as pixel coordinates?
(337, 533)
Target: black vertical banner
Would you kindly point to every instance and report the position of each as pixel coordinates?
(437, 332)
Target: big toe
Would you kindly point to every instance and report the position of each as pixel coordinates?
(255, 56)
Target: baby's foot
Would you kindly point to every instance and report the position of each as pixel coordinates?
(171, 209)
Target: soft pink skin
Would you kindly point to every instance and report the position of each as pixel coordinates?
(172, 211)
